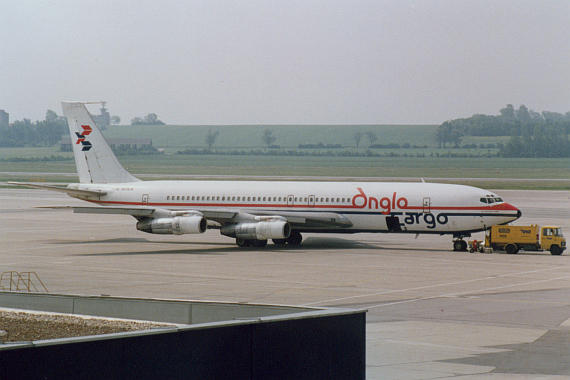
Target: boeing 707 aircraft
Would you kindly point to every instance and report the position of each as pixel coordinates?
(253, 212)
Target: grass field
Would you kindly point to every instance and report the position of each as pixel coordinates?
(287, 136)
(174, 138)
(466, 170)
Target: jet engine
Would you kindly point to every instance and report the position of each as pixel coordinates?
(258, 231)
(178, 225)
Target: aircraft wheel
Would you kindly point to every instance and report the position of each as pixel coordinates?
(295, 238)
(555, 250)
(243, 242)
(459, 245)
(279, 241)
(511, 249)
(259, 243)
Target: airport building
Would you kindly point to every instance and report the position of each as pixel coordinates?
(4, 118)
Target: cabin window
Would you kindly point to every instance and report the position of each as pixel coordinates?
(182, 197)
(207, 198)
(279, 199)
(168, 197)
(327, 200)
(322, 200)
(239, 198)
(264, 199)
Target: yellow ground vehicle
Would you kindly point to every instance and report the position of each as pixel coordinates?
(529, 238)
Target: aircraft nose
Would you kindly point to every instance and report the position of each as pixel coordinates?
(510, 207)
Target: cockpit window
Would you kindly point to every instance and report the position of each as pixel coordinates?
(490, 199)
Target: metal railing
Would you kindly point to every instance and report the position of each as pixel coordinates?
(19, 282)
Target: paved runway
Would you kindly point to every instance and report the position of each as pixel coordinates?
(433, 313)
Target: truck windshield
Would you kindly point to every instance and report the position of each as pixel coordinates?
(557, 232)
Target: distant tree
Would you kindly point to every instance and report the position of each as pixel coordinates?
(372, 137)
(268, 138)
(357, 137)
(150, 119)
(508, 111)
(522, 114)
(115, 120)
(446, 133)
(211, 138)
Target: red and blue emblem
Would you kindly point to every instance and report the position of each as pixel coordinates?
(82, 139)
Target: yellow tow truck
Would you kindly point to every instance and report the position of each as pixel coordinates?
(511, 239)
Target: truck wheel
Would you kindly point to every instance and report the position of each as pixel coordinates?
(511, 249)
(555, 250)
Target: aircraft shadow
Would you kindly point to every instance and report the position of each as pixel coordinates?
(217, 248)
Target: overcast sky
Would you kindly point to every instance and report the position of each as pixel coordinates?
(286, 62)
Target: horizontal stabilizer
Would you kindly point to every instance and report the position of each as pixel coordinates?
(137, 212)
(71, 192)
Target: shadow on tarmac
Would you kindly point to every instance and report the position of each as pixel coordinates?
(217, 248)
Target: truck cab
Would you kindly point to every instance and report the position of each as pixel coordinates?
(552, 240)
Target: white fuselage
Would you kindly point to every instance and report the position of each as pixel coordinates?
(369, 206)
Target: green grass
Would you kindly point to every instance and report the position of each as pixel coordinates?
(471, 171)
(174, 138)
(287, 136)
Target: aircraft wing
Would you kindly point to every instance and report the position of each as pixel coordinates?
(310, 219)
(225, 216)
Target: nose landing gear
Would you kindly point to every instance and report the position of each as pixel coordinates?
(459, 244)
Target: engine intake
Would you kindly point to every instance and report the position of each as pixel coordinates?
(178, 225)
(258, 231)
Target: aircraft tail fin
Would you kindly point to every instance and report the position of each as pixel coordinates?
(94, 158)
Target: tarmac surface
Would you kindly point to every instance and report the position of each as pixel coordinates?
(432, 313)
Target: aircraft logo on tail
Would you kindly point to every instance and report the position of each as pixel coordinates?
(82, 139)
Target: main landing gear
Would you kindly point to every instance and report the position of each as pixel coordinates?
(295, 238)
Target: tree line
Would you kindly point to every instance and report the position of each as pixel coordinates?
(533, 134)
(538, 141)
(42, 133)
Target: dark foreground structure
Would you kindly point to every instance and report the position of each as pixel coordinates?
(211, 341)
